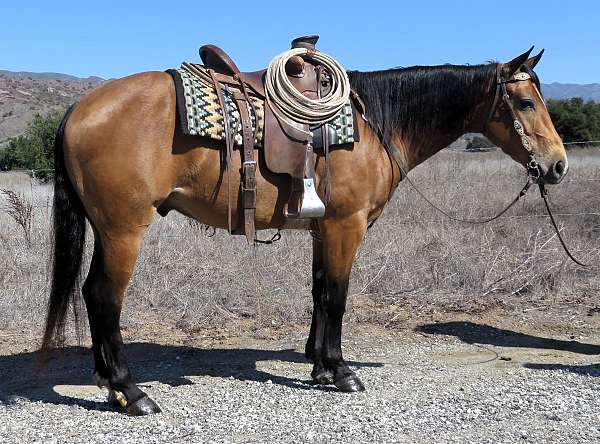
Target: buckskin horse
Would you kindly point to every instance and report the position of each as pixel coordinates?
(120, 159)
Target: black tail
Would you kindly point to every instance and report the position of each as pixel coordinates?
(69, 241)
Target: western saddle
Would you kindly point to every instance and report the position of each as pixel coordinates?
(287, 148)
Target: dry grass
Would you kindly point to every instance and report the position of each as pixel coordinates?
(413, 261)
(20, 209)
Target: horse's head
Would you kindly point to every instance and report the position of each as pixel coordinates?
(519, 122)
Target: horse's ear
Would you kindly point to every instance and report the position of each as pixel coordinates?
(514, 65)
(531, 62)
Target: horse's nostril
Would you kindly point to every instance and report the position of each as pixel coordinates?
(559, 168)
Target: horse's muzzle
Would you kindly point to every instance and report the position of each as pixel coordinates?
(556, 172)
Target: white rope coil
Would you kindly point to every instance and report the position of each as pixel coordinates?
(293, 104)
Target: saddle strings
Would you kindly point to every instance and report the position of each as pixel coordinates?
(292, 103)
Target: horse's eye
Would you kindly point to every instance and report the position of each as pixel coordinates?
(526, 104)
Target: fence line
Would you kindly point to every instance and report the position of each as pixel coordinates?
(581, 142)
(589, 142)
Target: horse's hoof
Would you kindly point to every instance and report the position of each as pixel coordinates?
(349, 384)
(114, 400)
(141, 407)
(323, 377)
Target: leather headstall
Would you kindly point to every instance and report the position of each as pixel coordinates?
(501, 97)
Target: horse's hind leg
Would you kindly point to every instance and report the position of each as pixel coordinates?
(341, 239)
(113, 262)
(101, 374)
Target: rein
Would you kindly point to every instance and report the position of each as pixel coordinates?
(544, 194)
(394, 153)
(534, 172)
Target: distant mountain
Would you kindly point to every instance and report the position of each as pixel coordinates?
(51, 76)
(587, 92)
(23, 94)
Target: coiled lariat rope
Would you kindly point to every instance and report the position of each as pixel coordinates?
(280, 91)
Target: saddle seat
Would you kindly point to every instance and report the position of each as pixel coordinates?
(216, 59)
(298, 69)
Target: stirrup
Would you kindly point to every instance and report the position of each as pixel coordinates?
(311, 205)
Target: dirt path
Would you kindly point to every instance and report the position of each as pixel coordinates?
(451, 381)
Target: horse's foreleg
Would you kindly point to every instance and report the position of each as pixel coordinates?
(314, 344)
(341, 239)
(112, 265)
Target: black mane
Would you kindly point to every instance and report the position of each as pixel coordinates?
(413, 101)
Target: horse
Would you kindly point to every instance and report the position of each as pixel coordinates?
(120, 159)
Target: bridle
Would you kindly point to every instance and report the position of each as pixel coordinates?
(534, 171)
(501, 98)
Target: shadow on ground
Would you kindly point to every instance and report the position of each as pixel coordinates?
(20, 376)
(472, 333)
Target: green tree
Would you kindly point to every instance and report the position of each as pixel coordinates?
(575, 120)
(34, 150)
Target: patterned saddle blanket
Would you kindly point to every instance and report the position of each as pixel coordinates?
(200, 114)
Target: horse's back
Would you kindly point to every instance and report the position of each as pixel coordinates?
(138, 97)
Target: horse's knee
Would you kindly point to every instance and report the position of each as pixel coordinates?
(337, 293)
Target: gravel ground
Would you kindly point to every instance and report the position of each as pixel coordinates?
(444, 382)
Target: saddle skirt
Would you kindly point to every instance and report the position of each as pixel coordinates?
(200, 114)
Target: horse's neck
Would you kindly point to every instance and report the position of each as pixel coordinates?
(424, 109)
(417, 149)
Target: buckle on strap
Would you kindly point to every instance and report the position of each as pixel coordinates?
(249, 184)
(249, 165)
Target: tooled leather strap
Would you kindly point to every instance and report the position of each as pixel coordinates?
(228, 143)
(496, 97)
(392, 151)
(532, 166)
(321, 77)
(248, 166)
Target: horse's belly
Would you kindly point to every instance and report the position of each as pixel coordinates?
(213, 211)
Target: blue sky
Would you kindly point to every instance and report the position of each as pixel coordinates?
(117, 38)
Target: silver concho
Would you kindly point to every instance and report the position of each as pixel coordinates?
(519, 128)
(526, 143)
(521, 76)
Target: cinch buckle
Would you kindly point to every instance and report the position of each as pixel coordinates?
(249, 165)
(249, 184)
